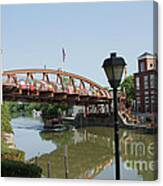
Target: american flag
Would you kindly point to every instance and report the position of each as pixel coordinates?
(63, 54)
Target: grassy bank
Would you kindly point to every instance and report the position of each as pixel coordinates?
(12, 159)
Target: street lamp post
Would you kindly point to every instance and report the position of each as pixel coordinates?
(114, 67)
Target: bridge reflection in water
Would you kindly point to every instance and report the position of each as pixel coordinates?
(90, 153)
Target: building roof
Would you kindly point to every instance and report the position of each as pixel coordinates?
(146, 55)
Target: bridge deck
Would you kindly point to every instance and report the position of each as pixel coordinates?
(27, 86)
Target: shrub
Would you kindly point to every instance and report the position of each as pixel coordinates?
(9, 153)
(10, 168)
(13, 154)
(6, 125)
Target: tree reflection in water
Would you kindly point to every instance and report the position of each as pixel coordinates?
(91, 150)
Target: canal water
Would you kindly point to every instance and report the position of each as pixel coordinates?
(90, 151)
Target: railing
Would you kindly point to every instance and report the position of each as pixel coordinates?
(38, 81)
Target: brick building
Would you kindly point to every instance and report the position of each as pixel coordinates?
(146, 84)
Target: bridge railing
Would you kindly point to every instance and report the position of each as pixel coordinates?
(39, 81)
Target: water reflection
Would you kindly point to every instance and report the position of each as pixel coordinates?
(139, 152)
(27, 138)
(90, 151)
(91, 154)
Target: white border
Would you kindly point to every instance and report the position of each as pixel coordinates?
(42, 182)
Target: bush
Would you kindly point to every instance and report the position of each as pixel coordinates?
(10, 168)
(5, 126)
(10, 153)
(13, 154)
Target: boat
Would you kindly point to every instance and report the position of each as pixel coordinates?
(51, 123)
(68, 120)
(56, 128)
(59, 128)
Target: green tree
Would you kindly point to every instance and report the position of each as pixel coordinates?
(128, 86)
(52, 110)
(5, 114)
(48, 110)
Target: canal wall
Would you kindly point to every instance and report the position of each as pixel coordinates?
(93, 120)
(103, 120)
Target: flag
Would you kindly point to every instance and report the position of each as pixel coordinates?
(63, 54)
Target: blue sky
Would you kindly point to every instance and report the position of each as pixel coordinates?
(33, 35)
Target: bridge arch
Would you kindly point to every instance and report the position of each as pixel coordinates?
(62, 83)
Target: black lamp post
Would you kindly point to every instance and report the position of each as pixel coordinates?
(114, 67)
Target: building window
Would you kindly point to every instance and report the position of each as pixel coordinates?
(146, 92)
(142, 67)
(137, 83)
(153, 103)
(138, 99)
(153, 99)
(154, 65)
(138, 103)
(147, 109)
(153, 92)
(138, 93)
(146, 99)
(145, 82)
(152, 81)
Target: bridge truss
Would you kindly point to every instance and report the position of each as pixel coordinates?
(52, 86)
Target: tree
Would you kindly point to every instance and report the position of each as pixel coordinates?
(5, 114)
(48, 110)
(128, 86)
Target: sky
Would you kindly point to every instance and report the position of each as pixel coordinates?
(33, 35)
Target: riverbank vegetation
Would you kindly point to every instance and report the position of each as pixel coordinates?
(49, 111)
(5, 127)
(8, 153)
(20, 169)
(11, 157)
(8, 150)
